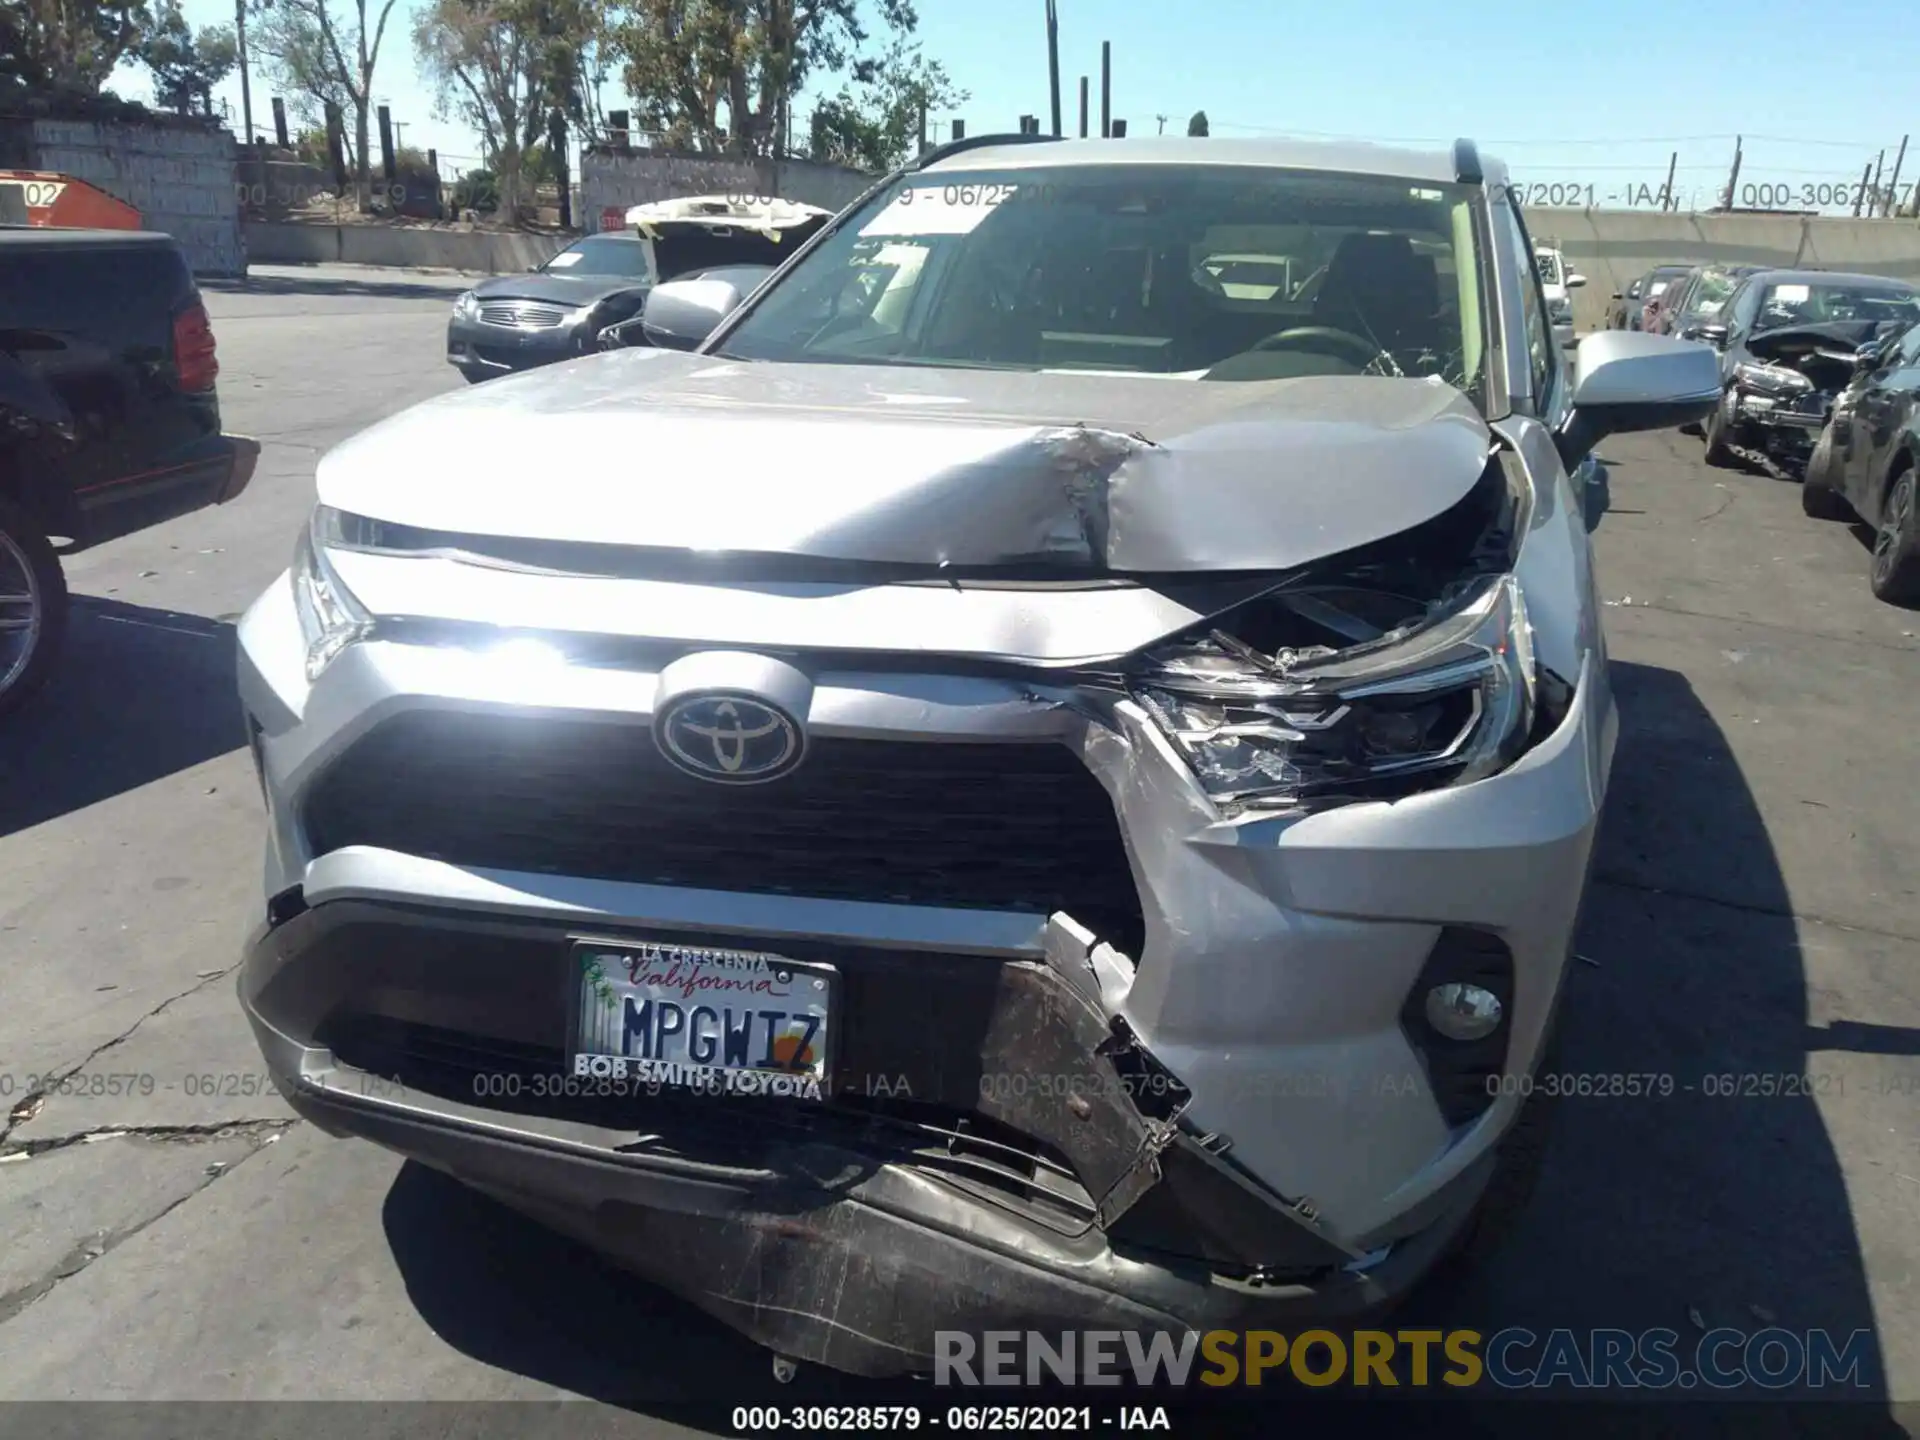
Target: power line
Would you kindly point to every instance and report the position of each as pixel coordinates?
(1288, 132)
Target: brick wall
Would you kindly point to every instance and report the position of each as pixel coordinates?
(180, 178)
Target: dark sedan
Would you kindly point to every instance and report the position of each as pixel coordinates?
(1699, 296)
(1627, 308)
(553, 312)
(1787, 340)
(1865, 463)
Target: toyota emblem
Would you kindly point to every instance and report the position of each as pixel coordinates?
(732, 739)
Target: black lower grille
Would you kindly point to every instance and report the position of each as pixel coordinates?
(1017, 826)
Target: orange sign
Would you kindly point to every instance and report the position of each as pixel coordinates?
(61, 202)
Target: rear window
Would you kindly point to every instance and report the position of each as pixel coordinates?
(93, 290)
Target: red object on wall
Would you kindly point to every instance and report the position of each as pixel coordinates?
(612, 217)
(60, 202)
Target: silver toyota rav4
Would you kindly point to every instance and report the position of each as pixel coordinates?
(992, 781)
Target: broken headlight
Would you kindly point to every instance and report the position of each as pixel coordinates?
(1775, 378)
(1444, 703)
(330, 618)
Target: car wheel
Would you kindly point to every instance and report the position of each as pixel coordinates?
(1818, 498)
(33, 607)
(473, 374)
(1718, 425)
(1896, 545)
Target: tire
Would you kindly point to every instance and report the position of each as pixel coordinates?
(1692, 427)
(1895, 577)
(1818, 498)
(1715, 429)
(33, 589)
(472, 374)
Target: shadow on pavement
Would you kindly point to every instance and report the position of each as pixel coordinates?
(1685, 1209)
(138, 694)
(437, 288)
(1709, 1202)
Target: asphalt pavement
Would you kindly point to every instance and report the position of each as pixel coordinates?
(169, 1232)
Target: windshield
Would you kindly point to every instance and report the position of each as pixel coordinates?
(1195, 272)
(1712, 291)
(1809, 303)
(601, 255)
(1549, 264)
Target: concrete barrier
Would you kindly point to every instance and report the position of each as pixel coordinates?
(478, 252)
(1614, 247)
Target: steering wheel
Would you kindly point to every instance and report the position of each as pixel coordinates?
(1343, 343)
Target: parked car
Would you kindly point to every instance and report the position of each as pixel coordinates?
(1559, 283)
(1027, 699)
(1864, 463)
(558, 310)
(109, 418)
(1648, 287)
(1699, 296)
(1787, 340)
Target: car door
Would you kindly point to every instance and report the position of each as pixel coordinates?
(1886, 404)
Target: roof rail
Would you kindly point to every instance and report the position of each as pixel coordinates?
(974, 142)
(1466, 163)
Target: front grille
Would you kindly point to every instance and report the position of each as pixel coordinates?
(991, 1161)
(522, 314)
(1018, 826)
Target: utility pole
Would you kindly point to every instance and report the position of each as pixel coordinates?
(1667, 200)
(1893, 186)
(1878, 166)
(240, 53)
(1053, 64)
(1083, 107)
(1860, 195)
(1733, 176)
(1163, 123)
(1106, 89)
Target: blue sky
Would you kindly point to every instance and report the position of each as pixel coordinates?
(1575, 108)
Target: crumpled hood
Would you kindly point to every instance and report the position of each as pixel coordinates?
(907, 466)
(1794, 342)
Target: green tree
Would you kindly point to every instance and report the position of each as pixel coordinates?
(186, 64)
(323, 52)
(874, 123)
(483, 59)
(66, 47)
(718, 74)
(1198, 124)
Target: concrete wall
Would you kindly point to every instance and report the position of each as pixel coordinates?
(613, 182)
(407, 247)
(180, 178)
(1612, 247)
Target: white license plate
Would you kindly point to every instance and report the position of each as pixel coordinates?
(723, 1022)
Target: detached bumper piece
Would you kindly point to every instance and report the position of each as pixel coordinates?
(928, 1194)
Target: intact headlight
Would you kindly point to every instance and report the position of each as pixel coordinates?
(467, 306)
(330, 618)
(1560, 310)
(1772, 377)
(1451, 703)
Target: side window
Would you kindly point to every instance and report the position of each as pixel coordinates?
(1745, 306)
(1533, 305)
(1910, 346)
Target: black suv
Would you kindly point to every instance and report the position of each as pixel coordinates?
(109, 417)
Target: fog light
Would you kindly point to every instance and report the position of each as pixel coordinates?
(1463, 1012)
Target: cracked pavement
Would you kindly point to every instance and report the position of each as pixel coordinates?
(1754, 914)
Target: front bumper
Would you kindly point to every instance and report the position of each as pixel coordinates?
(505, 349)
(1784, 426)
(1269, 981)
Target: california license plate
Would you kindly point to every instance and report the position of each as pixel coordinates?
(722, 1022)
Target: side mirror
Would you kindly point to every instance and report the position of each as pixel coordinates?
(1575, 281)
(681, 313)
(1869, 356)
(1712, 333)
(1628, 380)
